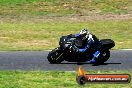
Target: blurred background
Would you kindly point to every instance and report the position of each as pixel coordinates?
(38, 24)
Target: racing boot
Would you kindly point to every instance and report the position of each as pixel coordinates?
(95, 56)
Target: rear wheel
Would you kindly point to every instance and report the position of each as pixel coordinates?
(103, 57)
(55, 56)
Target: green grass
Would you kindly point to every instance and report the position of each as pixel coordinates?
(52, 79)
(34, 25)
(45, 35)
(63, 7)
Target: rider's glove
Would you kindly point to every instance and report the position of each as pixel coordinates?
(70, 47)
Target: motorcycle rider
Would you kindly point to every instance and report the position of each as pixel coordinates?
(91, 41)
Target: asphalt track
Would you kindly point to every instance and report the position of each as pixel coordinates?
(36, 60)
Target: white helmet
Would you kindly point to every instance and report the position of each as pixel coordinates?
(84, 32)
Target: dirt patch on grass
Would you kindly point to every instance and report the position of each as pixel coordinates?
(77, 18)
(70, 18)
(98, 17)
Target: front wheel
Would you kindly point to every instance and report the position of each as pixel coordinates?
(55, 56)
(103, 57)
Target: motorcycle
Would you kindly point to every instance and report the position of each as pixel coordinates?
(64, 53)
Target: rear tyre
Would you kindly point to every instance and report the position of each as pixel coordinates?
(103, 57)
(55, 56)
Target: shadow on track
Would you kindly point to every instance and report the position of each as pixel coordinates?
(83, 63)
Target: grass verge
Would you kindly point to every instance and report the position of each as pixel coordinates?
(62, 7)
(45, 35)
(52, 79)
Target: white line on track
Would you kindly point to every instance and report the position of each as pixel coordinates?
(125, 49)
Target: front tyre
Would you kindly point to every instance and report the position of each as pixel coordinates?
(55, 56)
